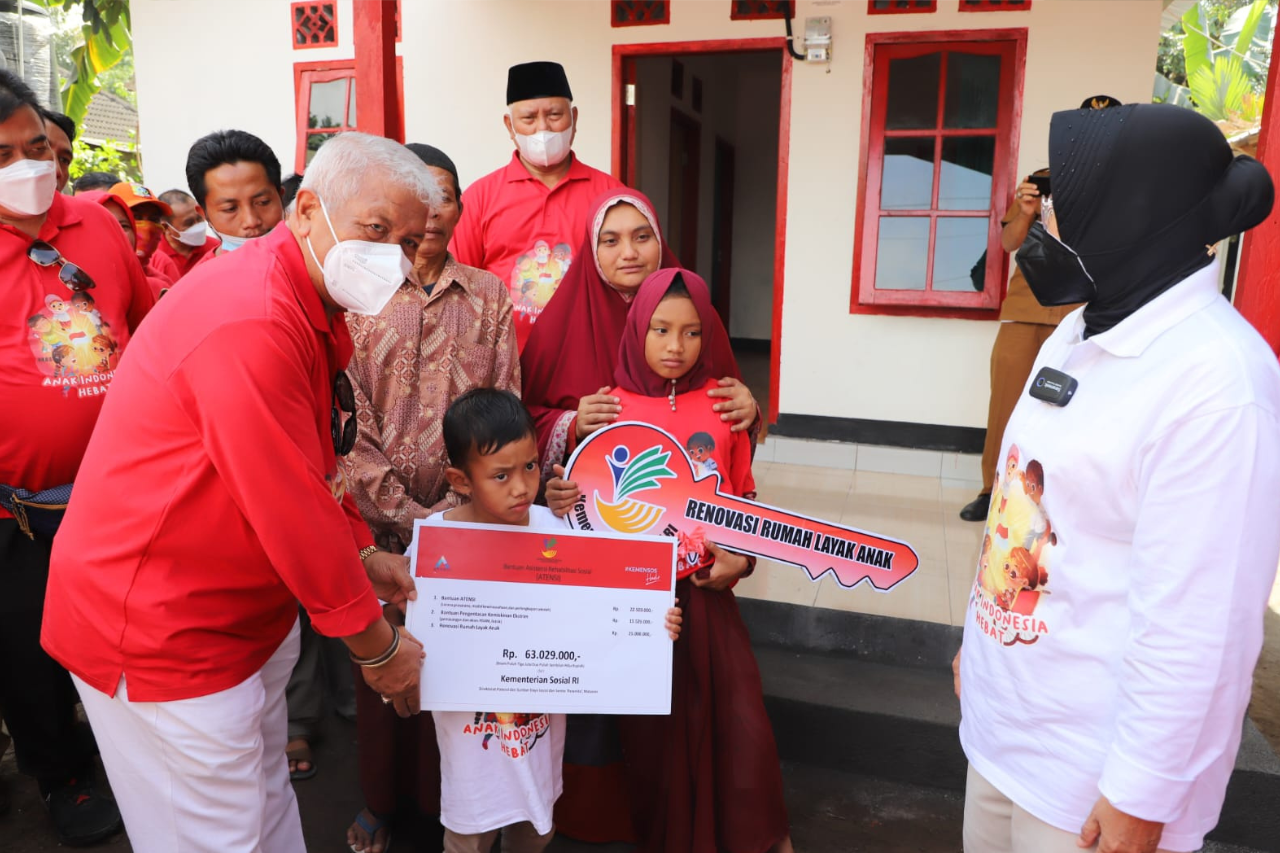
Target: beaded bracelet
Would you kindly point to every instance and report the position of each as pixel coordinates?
(384, 658)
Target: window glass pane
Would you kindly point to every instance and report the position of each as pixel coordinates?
(907, 180)
(960, 255)
(913, 92)
(967, 163)
(351, 110)
(328, 103)
(902, 253)
(973, 90)
(314, 141)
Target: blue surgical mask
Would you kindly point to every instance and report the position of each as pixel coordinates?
(229, 243)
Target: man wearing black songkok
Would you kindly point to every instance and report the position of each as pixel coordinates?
(1117, 613)
(525, 220)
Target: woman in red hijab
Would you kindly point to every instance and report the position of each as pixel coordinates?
(569, 360)
(120, 210)
(706, 778)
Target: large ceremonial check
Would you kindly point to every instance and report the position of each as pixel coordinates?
(519, 621)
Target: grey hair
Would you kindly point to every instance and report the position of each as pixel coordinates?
(343, 165)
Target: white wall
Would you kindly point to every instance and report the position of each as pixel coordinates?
(206, 65)
(456, 54)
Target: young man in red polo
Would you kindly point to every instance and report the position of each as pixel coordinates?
(72, 293)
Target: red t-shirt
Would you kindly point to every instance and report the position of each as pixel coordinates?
(60, 349)
(524, 233)
(210, 495)
(712, 446)
(168, 261)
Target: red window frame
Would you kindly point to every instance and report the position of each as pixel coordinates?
(994, 5)
(306, 73)
(761, 10)
(307, 10)
(914, 7)
(881, 49)
(639, 13)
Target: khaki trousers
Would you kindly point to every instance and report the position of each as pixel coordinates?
(1012, 357)
(994, 824)
(516, 838)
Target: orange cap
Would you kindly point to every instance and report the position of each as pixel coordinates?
(136, 194)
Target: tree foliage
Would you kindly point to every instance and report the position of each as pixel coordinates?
(106, 40)
(1216, 58)
(108, 157)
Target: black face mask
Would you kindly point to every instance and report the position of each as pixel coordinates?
(1055, 274)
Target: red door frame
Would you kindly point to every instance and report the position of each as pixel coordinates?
(624, 138)
(1257, 294)
(379, 112)
(722, 255)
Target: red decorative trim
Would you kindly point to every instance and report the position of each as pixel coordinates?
(998, 6)
(624, 135)
(1256, 294)
(865, 298)
(313, 25)
(901, 7)
(380, 109)
(306, 73)
(399, 23)
(639, 13)
(760, 10)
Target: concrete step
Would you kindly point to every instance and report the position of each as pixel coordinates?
(900, 723)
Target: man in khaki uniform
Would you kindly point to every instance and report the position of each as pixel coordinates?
(1025, 324)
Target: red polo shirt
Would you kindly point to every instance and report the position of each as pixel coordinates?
(169, 261)
(210, 495)
(524, 233)
(60, 349)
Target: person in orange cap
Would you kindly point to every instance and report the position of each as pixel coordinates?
(148, 216)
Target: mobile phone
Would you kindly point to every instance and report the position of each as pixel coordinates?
(1041, 183)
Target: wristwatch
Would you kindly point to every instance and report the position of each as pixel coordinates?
(368, 551)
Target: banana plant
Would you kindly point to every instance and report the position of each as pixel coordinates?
(1221, 71)
(107, 37)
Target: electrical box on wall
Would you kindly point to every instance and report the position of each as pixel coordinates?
(817, 39)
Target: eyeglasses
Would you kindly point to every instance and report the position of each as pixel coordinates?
(71, 275)
(344, 435)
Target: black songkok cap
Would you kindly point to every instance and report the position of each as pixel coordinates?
(537, 80)
(1100, 102)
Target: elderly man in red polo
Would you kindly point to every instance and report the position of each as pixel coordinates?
(211, 502)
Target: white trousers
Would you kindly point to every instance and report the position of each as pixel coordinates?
(995, 824)
(204, 775)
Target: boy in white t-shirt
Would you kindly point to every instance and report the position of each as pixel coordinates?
(499, 772)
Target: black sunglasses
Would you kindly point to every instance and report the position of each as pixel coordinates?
(71, 275)
(344, 435)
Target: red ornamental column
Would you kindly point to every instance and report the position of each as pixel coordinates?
(377, 84)
(1258, 287)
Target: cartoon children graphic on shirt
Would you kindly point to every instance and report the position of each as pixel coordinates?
(66, 361)
(85, 307)
(1013, 558)
(562, 254)
(46, 336)
(104, 353)
(513, 743)
(61, 311)
(536, 275)
(700, 447)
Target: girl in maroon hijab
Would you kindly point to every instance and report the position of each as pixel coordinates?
(706, 778)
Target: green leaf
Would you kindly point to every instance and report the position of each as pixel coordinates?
(1195, 42)
(1219, 92)
(1241, 27)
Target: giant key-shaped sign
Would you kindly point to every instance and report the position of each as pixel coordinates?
(635, 478)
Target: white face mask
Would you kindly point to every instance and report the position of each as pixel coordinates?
(546, 148)
(361, 276)
(195, 235)
(27, 186)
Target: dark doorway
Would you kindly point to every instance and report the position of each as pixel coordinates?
(682, 188)
(722, 230)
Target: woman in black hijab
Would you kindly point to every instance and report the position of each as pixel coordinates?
(1140, 194)
(1117, 612)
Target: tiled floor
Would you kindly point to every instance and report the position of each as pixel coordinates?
(856, 485)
